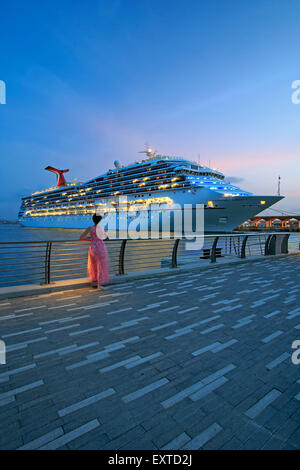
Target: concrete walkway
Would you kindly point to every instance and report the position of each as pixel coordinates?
(189, 361)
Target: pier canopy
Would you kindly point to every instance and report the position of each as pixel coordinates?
(247, 223)
(277, 222)
(261, 223)
(269, 222)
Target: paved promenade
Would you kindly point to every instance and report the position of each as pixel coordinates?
(199, 360)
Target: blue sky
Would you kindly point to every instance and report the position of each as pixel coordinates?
(89, 82)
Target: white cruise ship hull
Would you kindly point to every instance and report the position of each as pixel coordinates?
(225, 215)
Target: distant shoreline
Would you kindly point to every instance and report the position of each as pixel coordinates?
(8, 222)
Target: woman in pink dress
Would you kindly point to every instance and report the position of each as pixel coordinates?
(98, 263)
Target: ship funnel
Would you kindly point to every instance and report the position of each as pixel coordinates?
(60, 177)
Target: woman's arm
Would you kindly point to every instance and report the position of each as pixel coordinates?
(84, 235)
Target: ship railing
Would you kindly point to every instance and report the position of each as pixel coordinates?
(46, 262)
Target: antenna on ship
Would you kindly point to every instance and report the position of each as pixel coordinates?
(278, 187)
(148, 151)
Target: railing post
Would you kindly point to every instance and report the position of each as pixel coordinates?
(174, 253)
(270, 246)
(284, 244)
(121, 257)
(243, 249)
(47, 262)
(213, 250)
(267, 242)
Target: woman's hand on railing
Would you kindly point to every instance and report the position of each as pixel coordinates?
(85, 235)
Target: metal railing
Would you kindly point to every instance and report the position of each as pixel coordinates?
(46, 262)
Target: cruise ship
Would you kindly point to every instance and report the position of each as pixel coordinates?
(159, 182)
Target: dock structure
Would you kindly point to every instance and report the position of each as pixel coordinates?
(272, 222)
(193, 359)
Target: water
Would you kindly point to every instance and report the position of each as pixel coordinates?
(17, 233)
(25, 264)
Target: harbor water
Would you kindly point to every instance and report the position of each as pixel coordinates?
(17, 233)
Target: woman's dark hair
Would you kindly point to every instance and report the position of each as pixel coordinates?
(97, 219)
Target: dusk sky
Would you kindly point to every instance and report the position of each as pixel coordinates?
(90, 82)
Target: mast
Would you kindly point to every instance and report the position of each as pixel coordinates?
(278, 188)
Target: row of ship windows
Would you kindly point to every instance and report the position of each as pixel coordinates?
(167, 169)
(86, 212)
(104, 193)
(95, 183)
(166, 185)
(70, 193)
(140, 181)
(130, 173)
(129, 179)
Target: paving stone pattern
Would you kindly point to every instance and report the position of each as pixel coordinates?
(191, 361)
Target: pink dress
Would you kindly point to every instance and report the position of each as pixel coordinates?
(98, 263)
